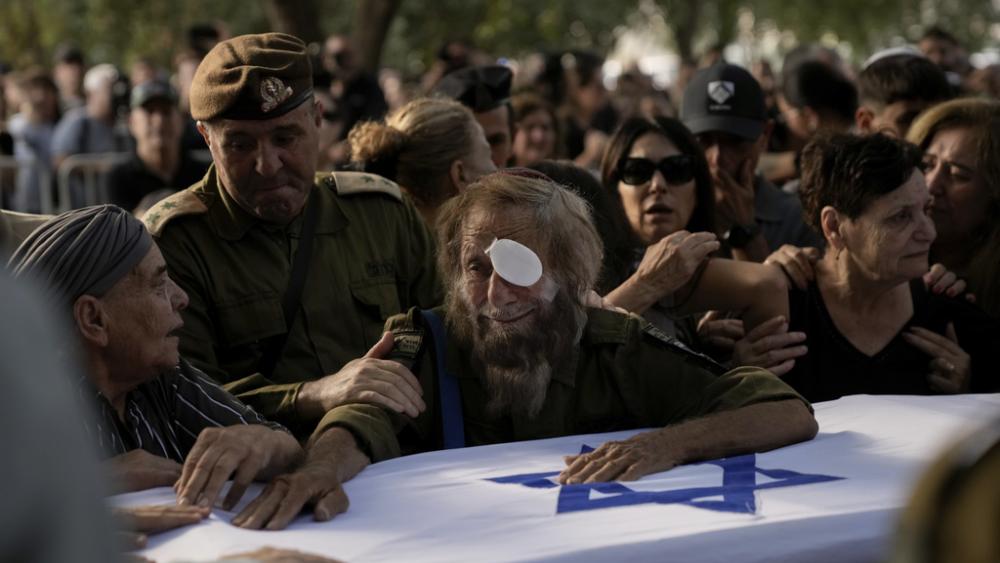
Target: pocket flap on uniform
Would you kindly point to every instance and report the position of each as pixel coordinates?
(249, 320)
(378, 294)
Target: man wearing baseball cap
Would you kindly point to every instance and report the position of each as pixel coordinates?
(724, 107)
(291, 274)
(157, 163)
(486, 91)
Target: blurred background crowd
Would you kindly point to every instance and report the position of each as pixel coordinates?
(94, 104)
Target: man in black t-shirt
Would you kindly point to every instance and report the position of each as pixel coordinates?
(158, 162)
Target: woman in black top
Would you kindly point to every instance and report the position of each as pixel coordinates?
(872, 326)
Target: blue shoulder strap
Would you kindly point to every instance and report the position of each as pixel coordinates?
(452, 421)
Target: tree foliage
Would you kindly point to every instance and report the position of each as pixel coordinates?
(120, 30)
(872, 24)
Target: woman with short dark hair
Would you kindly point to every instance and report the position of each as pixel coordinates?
(872, 325)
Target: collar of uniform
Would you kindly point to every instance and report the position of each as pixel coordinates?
(331, 216)
(232, 222)
(461, 355)
(228, 219)
(767, 204)
(96, 399)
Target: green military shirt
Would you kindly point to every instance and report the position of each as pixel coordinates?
(625, 374)
(372, 258)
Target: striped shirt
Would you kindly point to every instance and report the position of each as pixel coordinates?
(164, 416)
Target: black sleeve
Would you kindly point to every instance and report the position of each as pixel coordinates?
(978, 334)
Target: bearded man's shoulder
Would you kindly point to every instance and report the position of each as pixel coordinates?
(606, 326)
(412, 319)
(630, 332)
(409, 331)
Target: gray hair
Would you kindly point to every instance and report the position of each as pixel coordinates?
(572, 248)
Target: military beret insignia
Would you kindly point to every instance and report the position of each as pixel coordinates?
(273, 91)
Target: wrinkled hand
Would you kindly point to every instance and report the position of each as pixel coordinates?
(238, 452)
(770, 346)
(144, 521)
(797, 263)
(719, 333)
(622, 460)
(276, 555)
(285, 497)
(670, 262)
(939, 280)
(138, 470)
(734, 197)
(950, 366)
(370, 379)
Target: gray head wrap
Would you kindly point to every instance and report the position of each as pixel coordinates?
(84, 251)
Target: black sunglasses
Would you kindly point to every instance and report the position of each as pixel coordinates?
(676, 169)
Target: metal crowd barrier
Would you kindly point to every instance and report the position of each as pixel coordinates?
(11, 168)
(81, 178)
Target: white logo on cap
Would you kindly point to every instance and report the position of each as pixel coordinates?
(721, 90)
(273, 91)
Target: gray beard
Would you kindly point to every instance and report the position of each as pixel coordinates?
(516, 365)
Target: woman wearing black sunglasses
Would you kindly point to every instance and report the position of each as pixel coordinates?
(657, 173)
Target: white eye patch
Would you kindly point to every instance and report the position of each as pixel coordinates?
(514, 262)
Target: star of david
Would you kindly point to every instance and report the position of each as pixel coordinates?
(739, 482)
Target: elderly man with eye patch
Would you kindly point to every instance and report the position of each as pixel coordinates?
(160, 421)
(515, 354)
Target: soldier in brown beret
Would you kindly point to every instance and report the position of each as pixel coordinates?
(291, 274)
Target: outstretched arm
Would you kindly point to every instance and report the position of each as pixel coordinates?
(756, 291)
(754, 428)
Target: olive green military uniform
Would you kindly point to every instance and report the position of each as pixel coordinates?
(372, 258)
(14, 228)
(625, 374)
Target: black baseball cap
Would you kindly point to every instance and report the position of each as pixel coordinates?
(479, 88)
(726, 98)
(152, 90)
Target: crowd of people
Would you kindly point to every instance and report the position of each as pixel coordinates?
(296, 275)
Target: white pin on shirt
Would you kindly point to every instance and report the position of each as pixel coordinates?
(514, 262)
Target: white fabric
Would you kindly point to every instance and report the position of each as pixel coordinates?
(441, 507)
(515, 262)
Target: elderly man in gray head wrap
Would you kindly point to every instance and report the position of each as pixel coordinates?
(161, 420)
